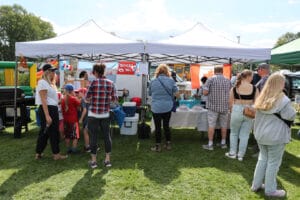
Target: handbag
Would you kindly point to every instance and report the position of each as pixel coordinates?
(173, 98)
(248, 111)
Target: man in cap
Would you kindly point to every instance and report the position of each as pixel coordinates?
(263, 71)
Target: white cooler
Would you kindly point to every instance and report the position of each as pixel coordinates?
(130, 125)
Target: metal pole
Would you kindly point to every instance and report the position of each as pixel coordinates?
(17, 134)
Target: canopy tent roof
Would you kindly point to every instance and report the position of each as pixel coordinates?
(200, 44)
(197, 45)
(287, 54)
(87, 41)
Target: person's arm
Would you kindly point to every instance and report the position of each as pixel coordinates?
(231, 99)
(43, 95)
(84, 111)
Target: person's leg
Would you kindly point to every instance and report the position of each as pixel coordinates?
(42, 137)
(244, 137)
(212, 119)
(86, 137)
(166, 120)
(235, 126)
(275, 153)
(93, 124)
(157, 123)
(223, 118)
(105, 129)
(260, 169)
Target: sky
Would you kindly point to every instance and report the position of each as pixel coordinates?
(256, 22)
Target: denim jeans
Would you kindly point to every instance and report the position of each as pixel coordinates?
(240, 128)
(267, 166)
(93, 126)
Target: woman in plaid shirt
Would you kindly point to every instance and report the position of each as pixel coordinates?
(101, 93)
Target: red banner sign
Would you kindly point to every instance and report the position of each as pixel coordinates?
(126, 67)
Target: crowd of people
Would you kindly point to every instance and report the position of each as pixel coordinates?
(225, 101)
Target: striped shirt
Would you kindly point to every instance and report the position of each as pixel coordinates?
(218, 88)
(101, 93)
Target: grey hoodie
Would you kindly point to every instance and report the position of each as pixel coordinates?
(269, 129)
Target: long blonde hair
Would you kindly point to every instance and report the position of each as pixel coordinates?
(162, 69)
(271, 92)
(46, 77)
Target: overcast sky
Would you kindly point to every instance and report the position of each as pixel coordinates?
(257, 22)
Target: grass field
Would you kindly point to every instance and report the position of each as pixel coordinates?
(185, 172)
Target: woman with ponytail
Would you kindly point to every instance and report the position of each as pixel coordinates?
(241, 95)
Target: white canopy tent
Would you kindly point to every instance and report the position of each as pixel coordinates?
(202, 45)
(87, 41)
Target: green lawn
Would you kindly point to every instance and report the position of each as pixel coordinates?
(186, 172)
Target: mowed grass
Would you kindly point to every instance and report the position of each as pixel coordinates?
(185, 172)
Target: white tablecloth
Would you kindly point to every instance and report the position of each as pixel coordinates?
(188, 119)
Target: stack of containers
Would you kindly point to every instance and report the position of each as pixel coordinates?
(130, 124)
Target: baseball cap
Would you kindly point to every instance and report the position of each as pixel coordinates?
(48, 67)
(69, 87)
(263, 66)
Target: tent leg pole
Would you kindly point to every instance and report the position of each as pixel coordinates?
(17, 133)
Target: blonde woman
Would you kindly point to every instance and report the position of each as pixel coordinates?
(47, 100)
(271, 133)
(162, 89)
(241, 95)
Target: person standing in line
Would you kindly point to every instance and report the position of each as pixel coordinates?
(70, 106)
(272, 134)
(162, 89)
(47, 100)
(101, 93)
(263, 71)
(217, 88)
(241, 95)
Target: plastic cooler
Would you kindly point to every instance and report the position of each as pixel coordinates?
(189, 103)
(129, 108)
(130, 125)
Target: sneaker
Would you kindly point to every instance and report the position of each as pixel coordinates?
(168, 146)
(69, 151)
(229, 155)
(107, 164)
(256, 189)
(92, 164)
(156, 148)
(208, 147)
(223, 146)
(276, 193)
(87, 149)
(240, 158)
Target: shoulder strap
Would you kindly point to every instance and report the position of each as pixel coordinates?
(164, 87)
(287, 122)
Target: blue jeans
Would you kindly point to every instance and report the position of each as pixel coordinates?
(267, 166)
(240, 128)
(93, 126)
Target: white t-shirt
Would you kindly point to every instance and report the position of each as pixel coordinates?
(52, 98)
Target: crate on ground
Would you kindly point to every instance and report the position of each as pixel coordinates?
(129, 108)
(130, 125)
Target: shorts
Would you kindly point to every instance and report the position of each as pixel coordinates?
(71, 130)
(214, 117)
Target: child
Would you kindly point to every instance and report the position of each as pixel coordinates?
(70, 105)
(83, 118)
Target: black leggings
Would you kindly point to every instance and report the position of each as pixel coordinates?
(52, 132)
(157, 122)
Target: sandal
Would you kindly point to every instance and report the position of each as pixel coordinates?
(59, 157)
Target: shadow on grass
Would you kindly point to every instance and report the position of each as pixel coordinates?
(128, 153)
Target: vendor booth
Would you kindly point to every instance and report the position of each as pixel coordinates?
(198, 45)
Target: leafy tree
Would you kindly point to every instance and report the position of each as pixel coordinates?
(287, 37)
(17, 25)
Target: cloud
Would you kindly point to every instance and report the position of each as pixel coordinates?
(148, 16)
(293, 1)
